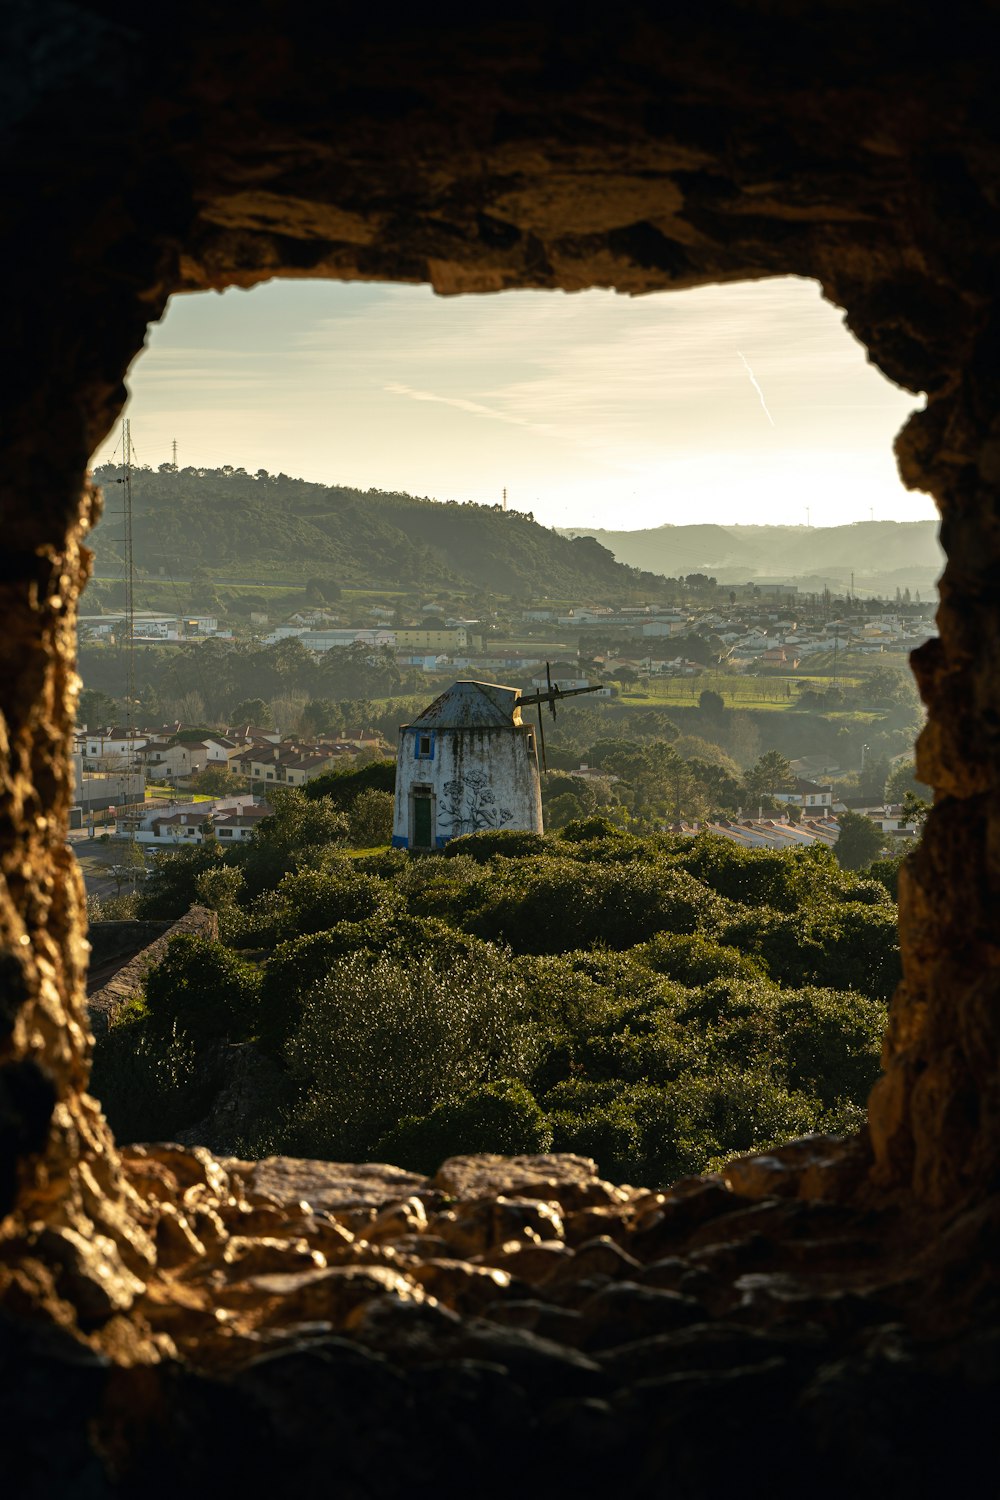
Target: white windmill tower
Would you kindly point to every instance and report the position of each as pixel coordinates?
(469, 764)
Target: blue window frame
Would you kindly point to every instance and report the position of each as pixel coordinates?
(423, 744)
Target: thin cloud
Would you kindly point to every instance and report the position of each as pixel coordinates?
(461, 404)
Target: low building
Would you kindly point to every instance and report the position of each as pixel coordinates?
(456, 639)
(112, 746)
(238, 827)
(184, 823)
(173, 761)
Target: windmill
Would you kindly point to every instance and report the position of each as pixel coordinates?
(550, 696)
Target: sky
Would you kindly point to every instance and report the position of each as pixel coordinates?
(748, 403)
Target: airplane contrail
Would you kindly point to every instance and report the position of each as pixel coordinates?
(753, 382)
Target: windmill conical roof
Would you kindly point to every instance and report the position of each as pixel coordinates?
(472, 705)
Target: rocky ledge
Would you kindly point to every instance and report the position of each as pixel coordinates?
(508, 1316)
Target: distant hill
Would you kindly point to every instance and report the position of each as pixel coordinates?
(879, 553)
(251, 525)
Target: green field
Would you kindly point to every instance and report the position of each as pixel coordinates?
(736, 692)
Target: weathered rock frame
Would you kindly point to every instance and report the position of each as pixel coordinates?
(859, 146)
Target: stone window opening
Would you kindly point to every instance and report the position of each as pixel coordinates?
(628, 160)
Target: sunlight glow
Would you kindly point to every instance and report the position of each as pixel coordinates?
(592, 409)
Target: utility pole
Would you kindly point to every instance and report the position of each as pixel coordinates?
(131, 818)
(129, 566)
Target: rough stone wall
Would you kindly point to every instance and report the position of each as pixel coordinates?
(858, 144)
(132, 954)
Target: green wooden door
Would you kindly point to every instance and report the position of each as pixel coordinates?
(422, 822)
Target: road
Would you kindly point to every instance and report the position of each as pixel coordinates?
(95, 860)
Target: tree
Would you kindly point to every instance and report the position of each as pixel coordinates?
(874, 775)
(297, 833)
(130, 866)
(252, 711)
(859, 842)
(217, 780)
(771, 773)
(370, 819)
(203, 988)
(915, 810)
(171, 886)
(902, 779)
(96, 708)
(192, 708)
(380, 1040)
(712, 705)
(322, 591)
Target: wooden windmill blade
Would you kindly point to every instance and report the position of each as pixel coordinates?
(541, 735)
(549, 696)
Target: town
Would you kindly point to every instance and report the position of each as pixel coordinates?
(730, 659)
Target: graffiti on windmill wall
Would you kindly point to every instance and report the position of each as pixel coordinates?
(469, 805)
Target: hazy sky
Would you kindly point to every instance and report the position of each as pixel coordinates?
(593, 409)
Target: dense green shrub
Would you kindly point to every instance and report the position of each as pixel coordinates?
(369, 819)
(582, 830)
(171, 887)
(204, 989)
(783, 880)
(502, 1117)
(315, 900)
(509, 843)
(658, 1003)
(298, 966)
(831, 1043)
(385, 864)
(341, 788)
(381, 1040)
(886, 873)
(695, 959)
(653, 1135)
(442, 888)
(847, 946)
(299, 834)
(221, 888)
(151, 1084)
(554, 905)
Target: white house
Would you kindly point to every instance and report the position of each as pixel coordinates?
(808, 795)
(220, 749)
(239, 827)
(178, 759)
(186, 822)
(111, 746)
(466, 764)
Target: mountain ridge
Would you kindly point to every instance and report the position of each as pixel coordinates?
(869, 549)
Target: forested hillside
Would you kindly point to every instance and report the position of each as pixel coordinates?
(259, 525)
